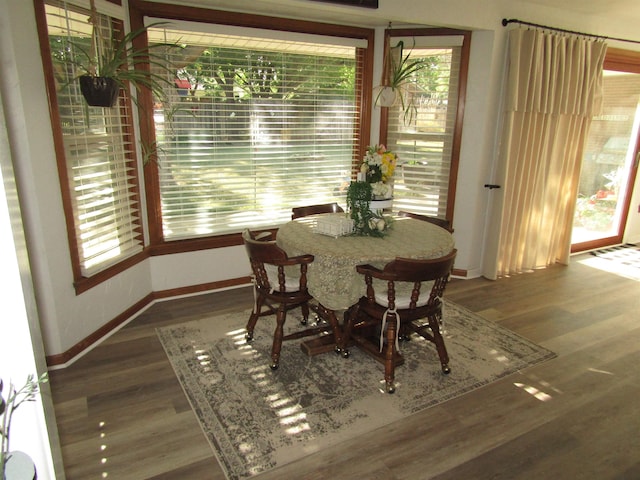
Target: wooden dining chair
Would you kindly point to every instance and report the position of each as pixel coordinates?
(446, 224)
(297, 212)
(413, 292)
(278, 291)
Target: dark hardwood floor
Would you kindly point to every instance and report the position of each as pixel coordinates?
(121, 412)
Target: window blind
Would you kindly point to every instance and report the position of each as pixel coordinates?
(423, 139)
(98, 149)
(252, 127)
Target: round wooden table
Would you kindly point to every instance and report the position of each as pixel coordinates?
(332, 277)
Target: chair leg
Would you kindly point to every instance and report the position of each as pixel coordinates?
(389, 354)
(434, 324)
(404, 335)
(277, 337)
(253, 318)
(305, 313)
(349, 319)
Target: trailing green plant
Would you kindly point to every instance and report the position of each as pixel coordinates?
(8, 406)
(366, 222)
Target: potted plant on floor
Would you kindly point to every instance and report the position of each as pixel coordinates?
(16, 465)
(111, 61)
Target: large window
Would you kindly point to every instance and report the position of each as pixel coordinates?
(95, 148)
(254, 123)
(260, 115)
(426, 136)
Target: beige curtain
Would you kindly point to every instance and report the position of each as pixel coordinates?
(554, 87)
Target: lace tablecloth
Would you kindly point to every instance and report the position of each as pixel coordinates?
(332, 277)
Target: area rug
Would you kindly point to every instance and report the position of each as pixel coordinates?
(257, 419)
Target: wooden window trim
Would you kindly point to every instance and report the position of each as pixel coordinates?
(138, 9)
(462, 89)
(80, 282)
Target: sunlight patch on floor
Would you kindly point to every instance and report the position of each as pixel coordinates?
(535, 392)
(543, 391)
(595, 370)
(612, 267)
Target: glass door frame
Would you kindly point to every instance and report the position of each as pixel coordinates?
(628, 62)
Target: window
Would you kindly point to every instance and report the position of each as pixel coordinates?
(256, 122)
(258, 119)
(426, 138)
(95, 150)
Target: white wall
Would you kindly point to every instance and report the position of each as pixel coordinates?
(67, 318)
(196, 268)
(33, 427)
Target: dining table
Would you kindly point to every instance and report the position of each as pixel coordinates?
(332, 278)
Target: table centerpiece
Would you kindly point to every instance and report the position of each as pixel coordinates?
(372, 192)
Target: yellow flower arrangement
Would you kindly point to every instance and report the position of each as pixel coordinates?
(379, 164)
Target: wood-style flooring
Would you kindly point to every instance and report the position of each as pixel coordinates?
(121, 412)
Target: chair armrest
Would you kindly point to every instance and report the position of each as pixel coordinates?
(375, 272)
(263, 236)
(300, 259)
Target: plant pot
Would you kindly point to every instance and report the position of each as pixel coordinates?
(99, 91)
(19, 466)
(386, 96)
(378, 205)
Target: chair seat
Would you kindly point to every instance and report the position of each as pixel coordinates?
(291, 283)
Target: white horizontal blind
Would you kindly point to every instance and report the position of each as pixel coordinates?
(98, 151)
(253, 128)
(423, 140)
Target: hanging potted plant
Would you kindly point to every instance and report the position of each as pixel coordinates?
(112, 61)
(398, 70)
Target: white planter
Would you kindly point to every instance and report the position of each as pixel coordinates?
(385, 96)
(19, 466)
(379, 205)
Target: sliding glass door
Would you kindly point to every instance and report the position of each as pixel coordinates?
(610, 160)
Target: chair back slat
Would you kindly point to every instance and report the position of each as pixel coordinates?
(440, 222)
(297, 212)
(413, 271)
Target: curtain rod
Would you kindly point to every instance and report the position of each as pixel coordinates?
(506, 22)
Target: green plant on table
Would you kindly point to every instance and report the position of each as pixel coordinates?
(366, 222)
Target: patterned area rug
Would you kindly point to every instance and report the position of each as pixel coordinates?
(256, 419)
